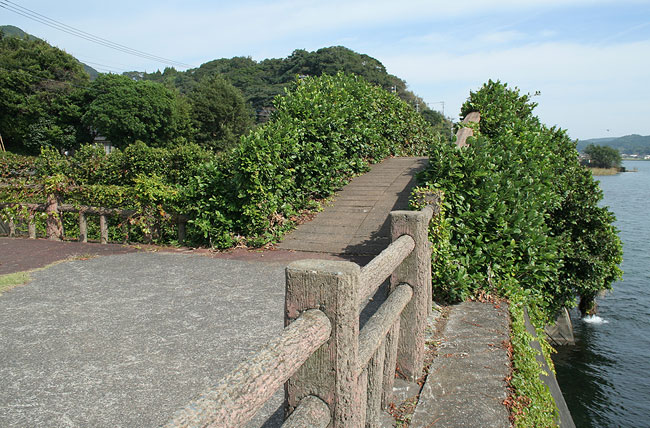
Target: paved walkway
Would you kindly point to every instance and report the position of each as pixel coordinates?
(356, 222)
(466, 384)
(124, 340)
(21, 254)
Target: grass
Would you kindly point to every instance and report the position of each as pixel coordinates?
(603, 171)
(531, 404)
(11, 280)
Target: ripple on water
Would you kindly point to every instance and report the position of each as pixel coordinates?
(605, 377)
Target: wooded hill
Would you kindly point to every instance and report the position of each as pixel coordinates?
(261, 81)
(630, 144)
(12, 31)
(49, 98)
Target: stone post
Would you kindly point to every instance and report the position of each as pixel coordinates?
(182, 222)
(103, 229)
(330, 373)
(83, 227)
(415, 270)
(54, 226)
(31, 226)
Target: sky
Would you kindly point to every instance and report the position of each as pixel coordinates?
(589, 59)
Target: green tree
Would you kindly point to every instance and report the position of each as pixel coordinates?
(38, 84)
(603, 156)
(325, 130)
(124, 111)
(260, 82)
(522, 214)
(219, 113)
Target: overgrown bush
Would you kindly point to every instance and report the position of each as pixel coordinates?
(521, 220)
(325, 130)
(143, 179)
(91, 165)
(15, 166)
(523, 216)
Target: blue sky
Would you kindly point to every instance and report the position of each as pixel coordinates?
(590, 60)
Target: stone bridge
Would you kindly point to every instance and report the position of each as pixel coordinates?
(127, 338)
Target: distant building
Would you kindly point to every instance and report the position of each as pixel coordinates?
(101, 141)
(264, 114)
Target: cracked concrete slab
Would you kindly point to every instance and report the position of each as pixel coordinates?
(466, 383)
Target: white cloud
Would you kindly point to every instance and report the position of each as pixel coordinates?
(540, 62)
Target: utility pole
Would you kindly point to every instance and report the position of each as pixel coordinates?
(443, 106)
(451, 124)
(2, 144)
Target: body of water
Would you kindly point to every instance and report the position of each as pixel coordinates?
(605, 377)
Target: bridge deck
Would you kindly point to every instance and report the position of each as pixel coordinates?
(356, 222)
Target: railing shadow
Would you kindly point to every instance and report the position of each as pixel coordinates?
(364, 251)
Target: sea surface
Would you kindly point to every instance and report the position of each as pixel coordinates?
(605, 377)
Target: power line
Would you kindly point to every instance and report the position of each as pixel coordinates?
(98, 66)
(35, 16)
(7, 4)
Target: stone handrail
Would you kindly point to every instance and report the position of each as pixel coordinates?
(237, 398)
(381, 267)
(53, 222)
(335, 375)
(353, 373)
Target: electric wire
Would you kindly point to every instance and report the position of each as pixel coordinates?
(98, 66)
(35, 16)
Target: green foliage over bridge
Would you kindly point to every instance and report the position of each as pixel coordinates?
(522, 214)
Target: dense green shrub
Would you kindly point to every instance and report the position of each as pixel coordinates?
(16, 166)
(91, 165)
(323, 131)
(523, 216)
(140, 178)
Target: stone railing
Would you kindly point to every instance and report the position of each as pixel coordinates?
(336, 374)
(54, 231)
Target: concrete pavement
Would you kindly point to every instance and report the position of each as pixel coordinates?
(466, 383)
(125, 340)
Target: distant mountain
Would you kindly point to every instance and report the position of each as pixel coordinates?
(630, 144)
(261, 81)
(11, 31)
(91, 71)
